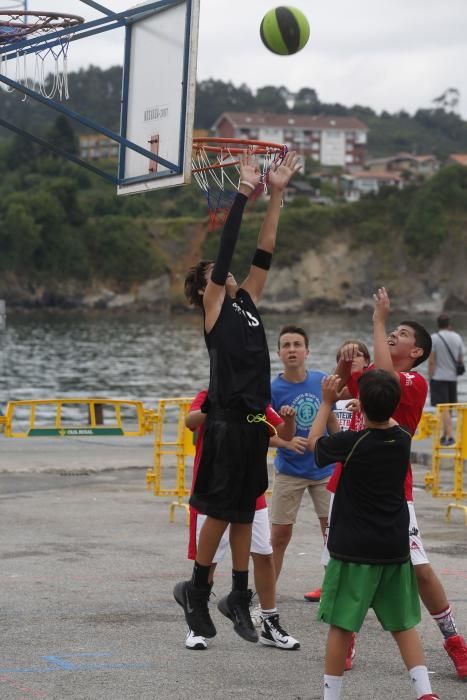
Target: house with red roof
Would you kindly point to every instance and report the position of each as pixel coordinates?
(331, 141)
(354, 185)
(458, 159)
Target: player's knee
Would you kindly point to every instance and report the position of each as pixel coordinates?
(280, 536)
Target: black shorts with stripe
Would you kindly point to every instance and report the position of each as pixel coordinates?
(232, 471)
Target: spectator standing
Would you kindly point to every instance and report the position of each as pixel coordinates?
(446, 355)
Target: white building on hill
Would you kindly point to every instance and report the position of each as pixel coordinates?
(332, 141)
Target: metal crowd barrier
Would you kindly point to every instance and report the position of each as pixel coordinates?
(447, 460)
(179, 446)
(57, 418)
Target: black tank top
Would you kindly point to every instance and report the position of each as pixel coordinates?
(240, 371)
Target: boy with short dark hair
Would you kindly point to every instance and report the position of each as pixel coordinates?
(370, 557)
(233, 470)
(446, 353)
(296, 471)
(406, 347)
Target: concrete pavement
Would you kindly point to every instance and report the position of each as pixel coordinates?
(88, 566)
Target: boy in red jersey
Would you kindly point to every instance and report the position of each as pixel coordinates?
(399, 352)
(272, 634)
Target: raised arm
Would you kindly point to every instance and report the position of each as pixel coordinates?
(214, 293)
(382, 356)
(278, 180)
(330, 393)
(347, 355)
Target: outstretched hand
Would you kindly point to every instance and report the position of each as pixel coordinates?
(249, 170)
(330, 388)
(281, 173)
(382, 305)
(349, 352)
(287, 412)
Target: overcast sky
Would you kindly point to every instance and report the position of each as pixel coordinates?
(385, 54)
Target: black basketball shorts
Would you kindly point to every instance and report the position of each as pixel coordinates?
(233, 468)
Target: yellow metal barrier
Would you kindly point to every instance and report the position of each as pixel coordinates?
(179, 445)
(29, 412)
(426, 426)
(447, 456)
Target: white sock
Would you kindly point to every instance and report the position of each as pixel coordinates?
(268, 613)
(420, 680)
(332, 687)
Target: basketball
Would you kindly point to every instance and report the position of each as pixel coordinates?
(284, 30)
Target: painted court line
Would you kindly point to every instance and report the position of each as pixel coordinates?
(61, 662)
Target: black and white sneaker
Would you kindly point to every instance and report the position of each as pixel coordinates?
(194, 602)
(273, 635)
(236, 606)
(195, 641)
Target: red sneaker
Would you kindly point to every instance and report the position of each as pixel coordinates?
(429, 697)
(350, 653)
(457, 650)
(313, 596)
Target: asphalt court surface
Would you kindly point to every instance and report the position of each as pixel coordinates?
(88, 565)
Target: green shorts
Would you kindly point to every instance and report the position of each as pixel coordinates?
(349, 590)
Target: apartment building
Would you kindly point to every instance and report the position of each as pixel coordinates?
(331, 141)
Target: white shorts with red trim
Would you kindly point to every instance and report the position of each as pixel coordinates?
(417, 550)
(260, 535)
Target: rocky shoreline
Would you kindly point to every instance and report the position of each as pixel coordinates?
(336, 277)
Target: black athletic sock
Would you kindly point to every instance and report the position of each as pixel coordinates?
(200, 577)
(239, 580)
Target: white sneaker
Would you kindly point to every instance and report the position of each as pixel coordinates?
(255, 614)
(273, 635)
(194, 641)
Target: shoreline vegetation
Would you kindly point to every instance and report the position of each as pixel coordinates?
(67, 242)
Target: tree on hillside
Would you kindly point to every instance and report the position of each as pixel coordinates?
(449, 99)
(214, 97)
(306, 102)
(272, 99)
(63, 135)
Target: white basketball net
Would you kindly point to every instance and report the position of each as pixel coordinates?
(216, 171)
(221, 169)
(46, 69)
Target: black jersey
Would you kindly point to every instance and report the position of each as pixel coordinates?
(240, 372)
(369, 518)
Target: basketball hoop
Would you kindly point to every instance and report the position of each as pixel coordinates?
(51, 54)
(215, 167)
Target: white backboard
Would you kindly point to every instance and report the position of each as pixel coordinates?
(158, 98)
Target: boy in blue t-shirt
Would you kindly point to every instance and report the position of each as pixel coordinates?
(296, 471)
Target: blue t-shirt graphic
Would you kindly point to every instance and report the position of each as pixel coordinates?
(305, 398)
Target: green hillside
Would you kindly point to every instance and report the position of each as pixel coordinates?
(96, 94)
(58, 223)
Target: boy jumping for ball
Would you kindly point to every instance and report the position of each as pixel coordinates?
(233, 470)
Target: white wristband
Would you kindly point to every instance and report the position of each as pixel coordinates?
(248, 184)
